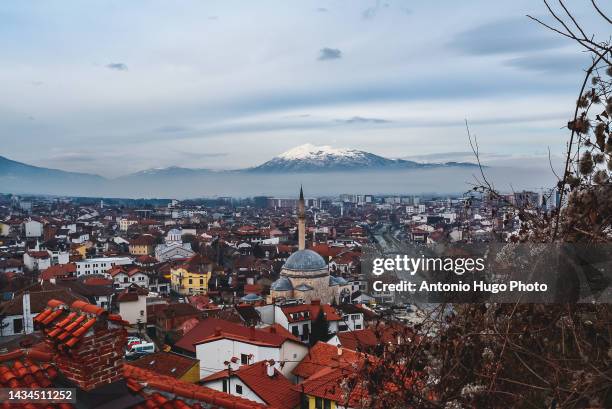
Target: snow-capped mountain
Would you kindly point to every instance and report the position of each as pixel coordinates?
(308, 158)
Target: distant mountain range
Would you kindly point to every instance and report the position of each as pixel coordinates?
(311, 158)
(23, 178)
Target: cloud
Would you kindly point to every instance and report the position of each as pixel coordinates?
(362, 120)
(118, 66)
(173, 129)
(551, 63)
(505, 36)
(329, 54)
(322, 10)
(369, 13)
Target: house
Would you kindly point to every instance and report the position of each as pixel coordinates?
(111, 383)
(125, 223)
(213, 342)
(59, 272)
(97, 290)
(143, 245)
(323, 355)
(170, 364)
(11, 265)
(33, 302)
(170, 317)
(133, 304)
(173, 251)
(33, 228)
(370, 338)
(260, 382)
(352, 318)
(192, 276)
(37, 260)
(100, 265)
(124, 276)
(301, 319)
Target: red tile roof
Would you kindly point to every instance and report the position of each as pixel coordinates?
(323, 355)
(39, 254)
(166, 363)
(275, 390)
(58, 270)
(148, 382)
(211, 329)
(65, 326)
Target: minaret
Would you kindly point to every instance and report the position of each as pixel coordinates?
(301, 222)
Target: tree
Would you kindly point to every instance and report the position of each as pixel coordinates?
(522, 355)
(320, 329)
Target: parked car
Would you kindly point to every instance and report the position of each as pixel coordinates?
(142, 348)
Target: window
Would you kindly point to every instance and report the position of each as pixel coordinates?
(225, 385)
(357, 326)
(201, 281)
(355, 317)
(190, 281)
(244, 359)
(318, 403)
(239, 389)
(295, 331)
(17, 325)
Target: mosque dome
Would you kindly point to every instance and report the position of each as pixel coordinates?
(282, 284)
(305, 260)
(251, 298)
(337, 281)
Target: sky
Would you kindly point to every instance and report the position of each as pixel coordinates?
(114, 87)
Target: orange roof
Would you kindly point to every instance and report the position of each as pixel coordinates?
(58, 270)
(67, 325)
(211, 329)
(148, 381)
(275, 390)
(320, 356)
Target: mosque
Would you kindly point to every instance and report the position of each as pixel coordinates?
(305, 274)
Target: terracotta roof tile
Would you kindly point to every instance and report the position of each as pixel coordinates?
(154, 383)
(213, 328)
(275, 390)
(68, 325)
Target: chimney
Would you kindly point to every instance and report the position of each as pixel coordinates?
(270, 368)
(89, 343)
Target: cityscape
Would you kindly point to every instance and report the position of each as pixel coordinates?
(240, 297)
(374, 204)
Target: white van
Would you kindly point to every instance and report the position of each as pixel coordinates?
(141, 349)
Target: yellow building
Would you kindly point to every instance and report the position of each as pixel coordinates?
(192, 277)
(315, 402)
(143, 245)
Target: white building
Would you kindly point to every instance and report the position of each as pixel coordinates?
(37, 260)
(100, 265)
(133, 304)
(33, 228)
(214, 351)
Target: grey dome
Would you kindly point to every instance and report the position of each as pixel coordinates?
(337, 281)
(305, 260)
(251, 298)
(304, 287)
(282, 284)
